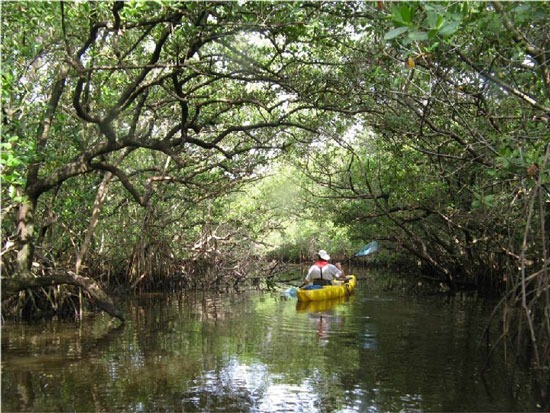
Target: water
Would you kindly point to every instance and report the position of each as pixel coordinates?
(376, 351)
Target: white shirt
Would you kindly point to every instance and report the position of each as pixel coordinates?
(329, 272)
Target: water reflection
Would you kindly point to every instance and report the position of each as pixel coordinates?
(320, 306)
(258, 352)
(322, 315)
(241, 386)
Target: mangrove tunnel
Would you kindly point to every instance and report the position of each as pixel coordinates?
(154, 147)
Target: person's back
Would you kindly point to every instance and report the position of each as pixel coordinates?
(323, 272)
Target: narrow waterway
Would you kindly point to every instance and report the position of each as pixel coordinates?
(376, 351)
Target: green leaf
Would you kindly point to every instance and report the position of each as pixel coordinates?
(395, 32)
(465, 8)
(522, 8)
(449, 29)
(402, 15)
(417, 35)
(432, 20)
(406, 13)
(489, 200)
(433, 46)
(13, 162)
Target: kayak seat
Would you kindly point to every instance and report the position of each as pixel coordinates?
(312, 287)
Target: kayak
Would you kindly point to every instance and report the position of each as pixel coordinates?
(327, 292)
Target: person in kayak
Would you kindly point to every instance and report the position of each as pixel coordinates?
(323, 272)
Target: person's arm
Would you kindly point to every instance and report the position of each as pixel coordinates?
(307, 280)
(342, 274)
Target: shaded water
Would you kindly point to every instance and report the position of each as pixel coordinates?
(376, 351)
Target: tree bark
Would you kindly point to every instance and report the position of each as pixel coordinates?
(100, 197)
(25, 233)
(25, 218)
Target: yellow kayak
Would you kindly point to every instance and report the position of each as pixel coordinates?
(327, 292)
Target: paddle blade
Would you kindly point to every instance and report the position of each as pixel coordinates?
(367, 249)
(289, 292)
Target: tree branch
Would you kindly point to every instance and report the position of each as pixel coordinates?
(523, 96)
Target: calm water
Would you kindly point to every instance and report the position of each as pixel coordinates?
(256, 351)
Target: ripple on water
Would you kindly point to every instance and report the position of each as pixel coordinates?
(258, 353)
(252, 387)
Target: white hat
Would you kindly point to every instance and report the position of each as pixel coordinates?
(323, 254)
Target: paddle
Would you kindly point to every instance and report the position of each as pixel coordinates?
(367, 249)
(290, 292)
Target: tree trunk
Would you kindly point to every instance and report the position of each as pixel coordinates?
(23, 278)
(100, 197)
(25, 233)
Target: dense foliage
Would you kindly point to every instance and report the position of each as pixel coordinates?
(135, 136)
(451, 164)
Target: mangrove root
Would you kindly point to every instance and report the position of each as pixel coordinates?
(11, 286)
